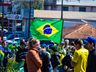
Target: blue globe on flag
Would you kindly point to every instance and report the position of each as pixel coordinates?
(47, 29)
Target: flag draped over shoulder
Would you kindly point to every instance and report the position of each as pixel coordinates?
(46, 29)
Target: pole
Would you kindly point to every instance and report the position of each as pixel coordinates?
(62, 18)
(62, 9)
(2, 17)
(29, 19)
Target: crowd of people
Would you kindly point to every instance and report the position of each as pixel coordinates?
(34, 56)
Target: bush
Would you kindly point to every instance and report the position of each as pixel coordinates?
(11, 65)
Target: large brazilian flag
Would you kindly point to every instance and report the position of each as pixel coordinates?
(46, 30)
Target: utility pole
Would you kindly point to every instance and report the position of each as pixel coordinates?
(2, 18)
(29, 19)
(62, 18)
(62, 9)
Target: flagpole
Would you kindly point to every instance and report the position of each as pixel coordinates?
(62, 18)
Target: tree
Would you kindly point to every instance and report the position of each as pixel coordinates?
(37, 4)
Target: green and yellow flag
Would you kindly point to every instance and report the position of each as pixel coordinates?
(46, 30)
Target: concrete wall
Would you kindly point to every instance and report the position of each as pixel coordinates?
(66, 14)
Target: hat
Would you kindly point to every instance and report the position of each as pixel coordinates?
(90, 39)
(54, 48)
(43, 45)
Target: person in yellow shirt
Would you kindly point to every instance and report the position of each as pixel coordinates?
(80, 57)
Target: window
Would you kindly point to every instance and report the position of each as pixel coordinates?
(65, 8)
(82, 9)
(92, 9)
(54, 1)
(9, 9)
(1, 0)
(73, 8)
(53, 7)
(0, 9)
(19, 26)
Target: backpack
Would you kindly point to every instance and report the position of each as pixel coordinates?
(55, 59)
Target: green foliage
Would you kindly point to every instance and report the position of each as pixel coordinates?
(37, 4)
(13, 66)
(10, 67)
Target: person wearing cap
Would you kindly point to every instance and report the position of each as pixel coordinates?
(46, 58)
(55, 58)
(91, 64)
(33, 60)
(80, 57)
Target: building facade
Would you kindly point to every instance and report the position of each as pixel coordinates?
(5, 8)
(19, 19)
(17, 16)
(49, 4)
(72, 5)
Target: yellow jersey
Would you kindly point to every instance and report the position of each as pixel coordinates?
(1, 53)
(80, 58)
